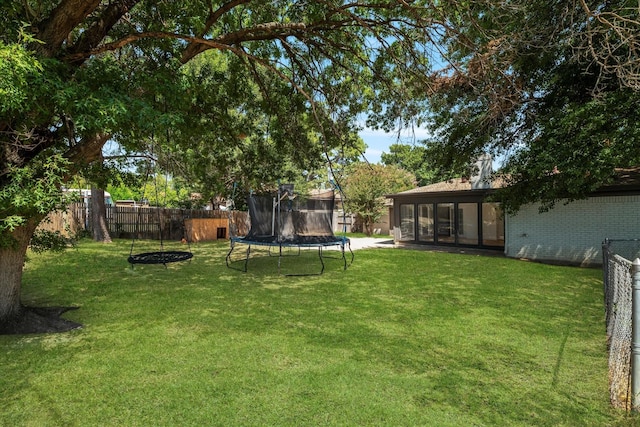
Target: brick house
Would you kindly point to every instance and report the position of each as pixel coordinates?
(456, 213)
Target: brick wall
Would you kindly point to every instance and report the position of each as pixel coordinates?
(572, 233)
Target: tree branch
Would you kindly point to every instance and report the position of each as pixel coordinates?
(86, 152)
(93, 36)
(54, 30)
(195, 49)
(620, 55)
(23, 148)
(220, 44)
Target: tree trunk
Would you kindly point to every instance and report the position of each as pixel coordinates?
(367, 224)
(11, 264)
(14, 317)
(99, 226)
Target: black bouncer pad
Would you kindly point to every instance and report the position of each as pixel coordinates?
(163, 257)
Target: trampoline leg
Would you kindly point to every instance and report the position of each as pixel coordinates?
(344, 258)
(246, 260)
(229, 261)
(321, 260)
(228, 257)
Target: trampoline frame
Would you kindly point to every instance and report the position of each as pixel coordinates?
(342, 242)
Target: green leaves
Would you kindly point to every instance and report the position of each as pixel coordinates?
(32, 192)
(216, 92)
(33, 187)
(579, 147)
(414, 159)
(524, 89)
(44, 240)
(18, 70)
(366, 185)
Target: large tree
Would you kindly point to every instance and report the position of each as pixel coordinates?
(414, 158)
(251, 131)
(550, 86)
(366, 186)
(75, 74)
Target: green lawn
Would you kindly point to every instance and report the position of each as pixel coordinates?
(401, 338)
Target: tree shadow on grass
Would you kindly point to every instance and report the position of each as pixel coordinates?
(39, 320)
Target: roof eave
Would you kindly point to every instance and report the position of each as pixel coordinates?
(478, 192)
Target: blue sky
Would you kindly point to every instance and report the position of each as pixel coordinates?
(378, 141)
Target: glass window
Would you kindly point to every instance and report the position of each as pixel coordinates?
(492, 225)
(425, 223)
(468, 223)
(446, 223)
(407, 223)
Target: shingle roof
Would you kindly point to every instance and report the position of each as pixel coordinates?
(455, 184)
(626, 179)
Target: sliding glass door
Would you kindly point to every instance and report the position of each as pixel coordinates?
(446, 223)
(407, 223)
(492, 225)
(426, 222)
(458, 223)
(467, 223)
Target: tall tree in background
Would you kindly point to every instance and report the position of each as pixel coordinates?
(366, 185)
(550, 85)
(75, 74)
(414, 159)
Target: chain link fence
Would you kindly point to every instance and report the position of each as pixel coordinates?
(617, 259)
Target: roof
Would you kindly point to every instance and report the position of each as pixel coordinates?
(626, 180)
(628, 176)
(449, 186)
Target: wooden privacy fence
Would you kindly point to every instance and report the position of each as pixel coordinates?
(151, 223)
(69, 223)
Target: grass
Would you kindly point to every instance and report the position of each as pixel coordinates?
(400, 338)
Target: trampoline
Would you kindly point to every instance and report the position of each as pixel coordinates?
(286, 222)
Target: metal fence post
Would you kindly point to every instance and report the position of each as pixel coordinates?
(605, 278)
(635, 335)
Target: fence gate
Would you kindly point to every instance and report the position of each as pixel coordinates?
(618, 289)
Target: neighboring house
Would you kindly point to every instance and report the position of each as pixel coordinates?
(83, 195)
(456, 213)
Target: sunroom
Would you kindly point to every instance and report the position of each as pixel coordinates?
(450, 213)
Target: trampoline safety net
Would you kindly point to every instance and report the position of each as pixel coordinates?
(288, 220)
(298, 220)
